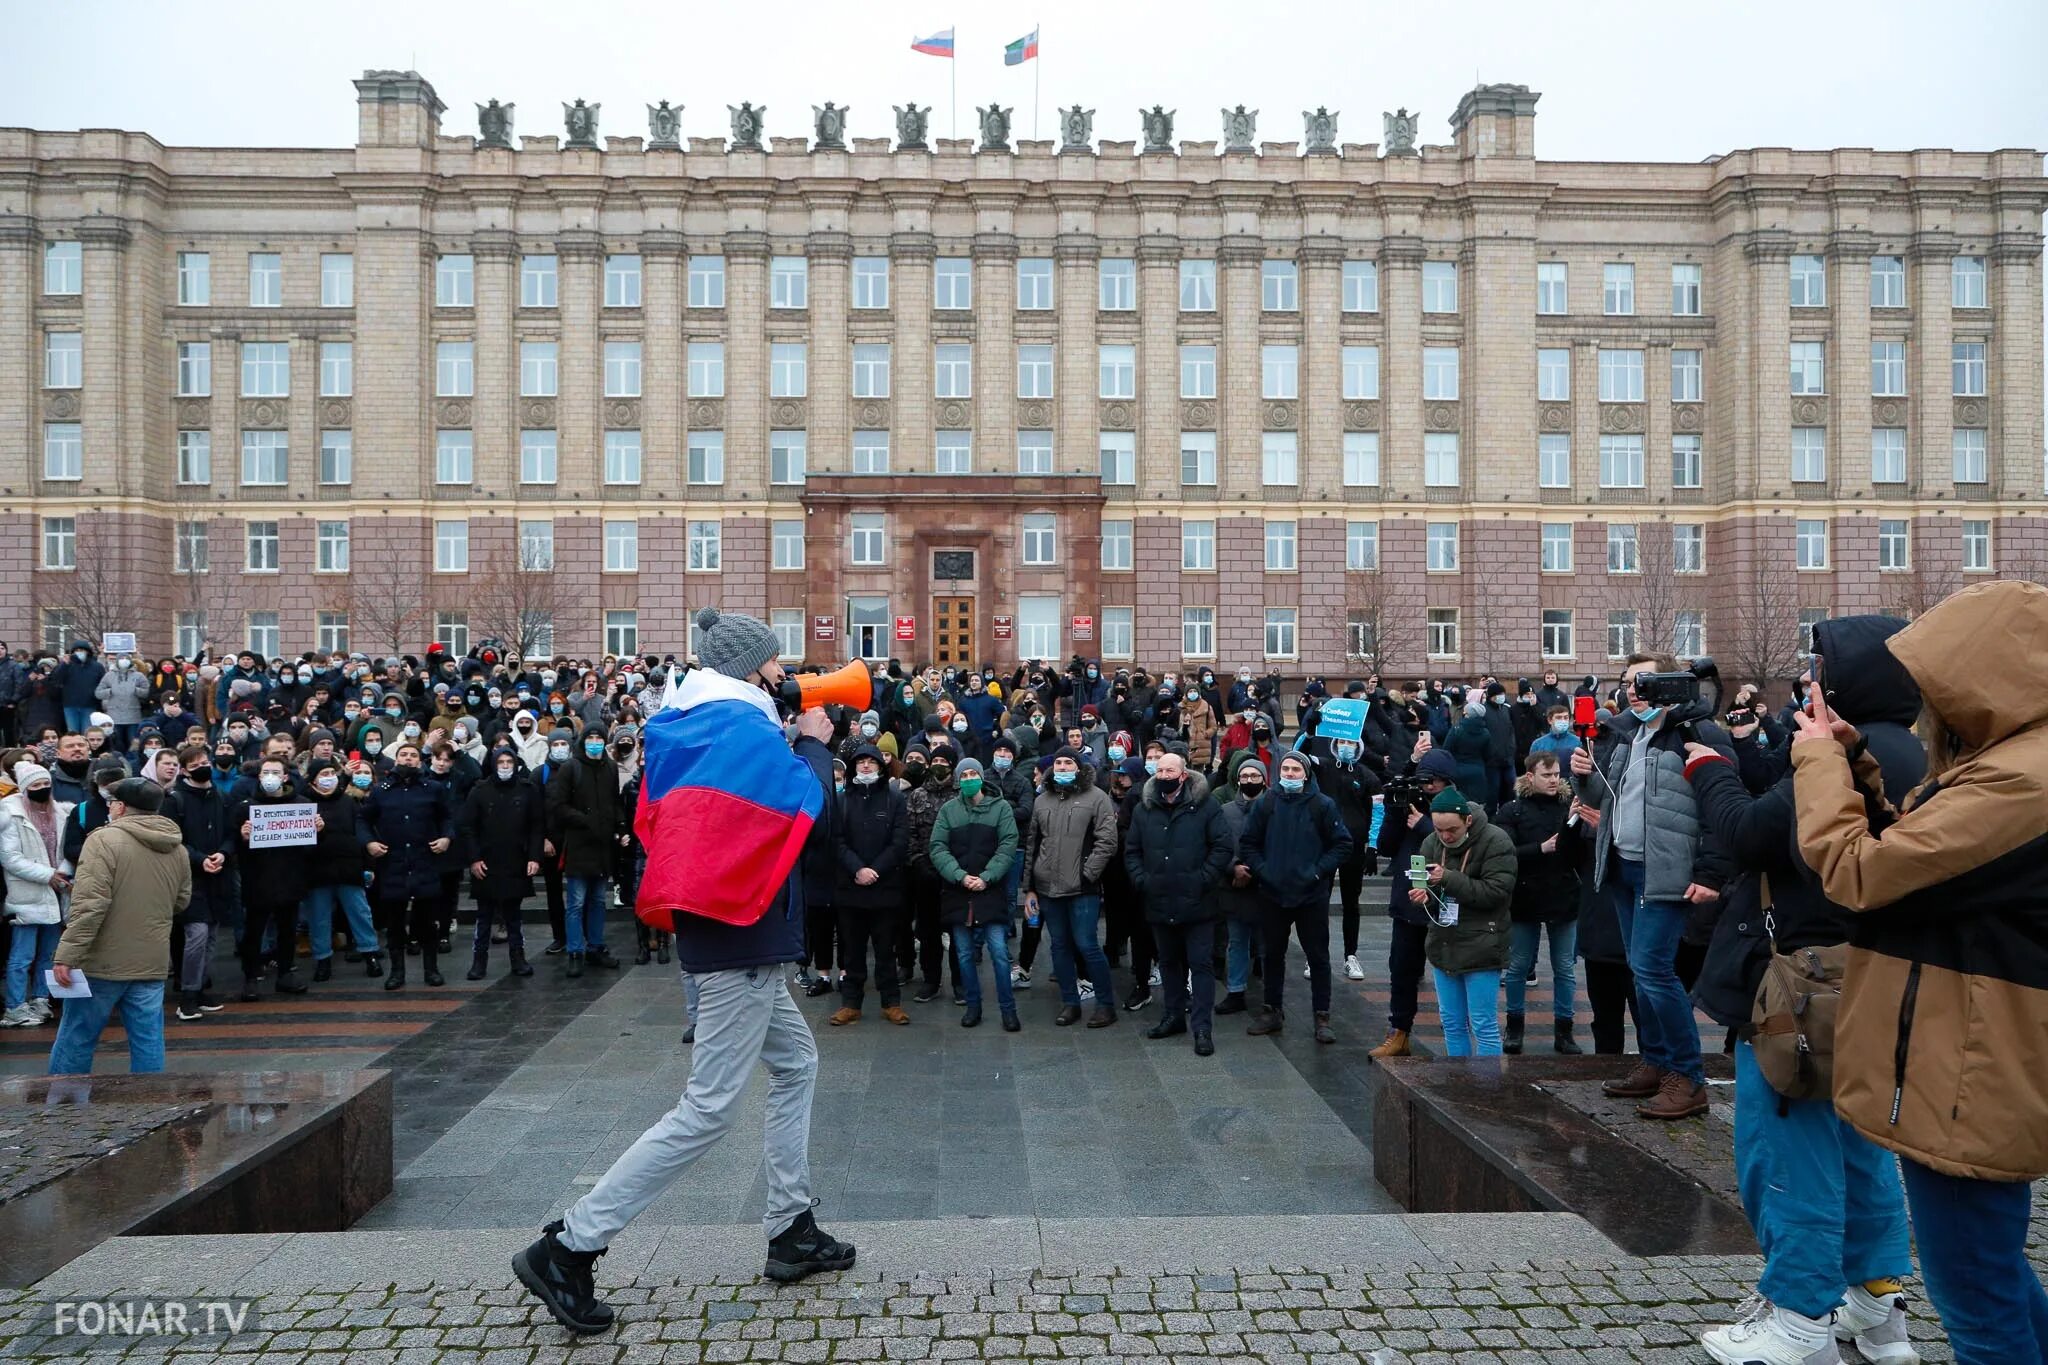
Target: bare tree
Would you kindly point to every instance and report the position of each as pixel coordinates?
(513, 599)
(1387, 626)
(386, 603)
(1653, 594)
(1764, 643)
(96, 595)
(1920, 587)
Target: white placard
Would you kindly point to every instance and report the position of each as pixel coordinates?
(286, 826)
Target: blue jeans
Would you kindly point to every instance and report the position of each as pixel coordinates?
(967, 945)
(584, 902)
(28, 957)
(1824, 1200)
(1469, 1005)
(1972, 1236)
(1523, 940)
(318, 912)
(1074, 923)
(1650, 930)
(78, 719)
(1237, 957)
(141, 1006)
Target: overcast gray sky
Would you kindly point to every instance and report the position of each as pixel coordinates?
(1621, 79)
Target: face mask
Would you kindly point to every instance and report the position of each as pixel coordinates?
(1116, 753)
(79, 655)
(906, 698)
(1560, 727)
(326, 782)
(506, 772)
(1262, 735)
(1151, 766)
(840, 788)
(1244, 677)
(1087, 722)
(1091, 672)
(361, 781)
(149, 754)
(1002, 763)
(412, 730)
(1293, 784)
(1065, 779)
(869, 731)
(38, 793)
(940, 772)
(960, 726)
(238, 736)
(1168, 787)
(1346, 751)
(547, 679)
(970, 786)
(1647, 716)
(558, 752)
(373, 747)
(1037, 721)
(200, 777)
(272, 783)
(1208, 678)
(555, 707)
(130, 663)
(1250, 790)
(867, 779)
(914, 774)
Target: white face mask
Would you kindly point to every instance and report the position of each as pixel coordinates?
(867, 779)
(272, 783)
(326, 782)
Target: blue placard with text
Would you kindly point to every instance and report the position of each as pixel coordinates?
(1343, 718)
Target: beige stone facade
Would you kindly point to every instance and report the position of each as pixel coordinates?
(1246, 407)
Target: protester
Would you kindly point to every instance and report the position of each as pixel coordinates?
(1546, 898)
(1469, 888)
(973, 843)
(203, 816)
(409, 822)
(38, 885)
(1294, 842)
(335, 873)
(872, 839)
(500, 831)
(1179, 848)
(1067, 847)
(585, 818)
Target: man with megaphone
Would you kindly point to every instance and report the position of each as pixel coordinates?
(726, 807)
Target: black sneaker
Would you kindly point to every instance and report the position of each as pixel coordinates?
(555, 948)
(210, 1005)
(804, 1249)
(561, 1279)
(188, 1011)
(1139, 998)
(926, 994)
(819, 986)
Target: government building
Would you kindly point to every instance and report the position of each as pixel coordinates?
(1310, 405)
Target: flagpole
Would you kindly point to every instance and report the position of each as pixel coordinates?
(1038, 38)
(954, 76)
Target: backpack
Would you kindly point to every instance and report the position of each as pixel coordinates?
(1792, 1022)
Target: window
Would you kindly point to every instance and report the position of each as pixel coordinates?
(1439, 287)
(264, 459)
(871, 282)
(1361, 286)
(1809, 455)
(60, 543)
(786, 545)
(1977, 546)
(707, 369)
(1686, 464)
(1440, 459)
(1971, 463)
(1197, 632)
(1441, 537)
(1361, 635)
(1116, 545)
(454, 369)
(1685, 376)
(1617, 289)
(337, 456)
(1554, 461)
(867, 626)
(707, 282)
(537, 456)
(1688, 548)
(788, 369)
(1361, 459)
(953, 371)
(63, 268)
(337, 369)
(1198, 459)
(1280, 461)
(195, 457)
(1441, 627)
(622, 545)
(866, 538)
(1118, 369)
(622, 369)
(536, 545)
(1557, 547)
(189, 552)
(1888, 369)
(953, 452)
(191, 633)
(1891, 545)
(1966, 369)
(195, 279)
(1966, 282)
(789, 282)
(261, 542)
(788, 453)
(1810, 539)
(454, 456)
(1198, 371)
(537, 281)
(1040, 534)
(1279, 632)
(1689, 634)
(332, 631)
(1034, 452)
(1361, 546)
(337, 280)
(1685, 291)
(330, 547)
(622, 457)
(1280, 537)
(1034, 283)
(1621, 634)
(622, 631)
(1809, 374)
(451, 547)
(1440, 372)
(1622, 556)
(1116, 285)
(952, 284)
(263, 635)
(622, 281)
(1887, 454)
(1280, 371)
(1119, 456)
(195, 369)
(1557, 634)
(1279, 287)
(788, 625)
(707, 457)
(1198, 545)
(266, 369)
(63, 360)
(870, 452)
(1554, 375)
(1550, 288)
(1198, 286)
(1116, 632)
(266, 280)
(1034, 371)
(63, 451)
(1887, 282)
(1621, 462)
(537, 369)
(455, 281)
(1621, 376)
(1809, 282)
(58, 630)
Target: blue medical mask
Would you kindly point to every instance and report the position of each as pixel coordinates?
(1650, 715)
(1560, 726)
(594, 748)
(1116, 753)
(361, 780)
(1151, 766)
(1293, 784)
(1346, 751)
(1001, 763)
(1065, 779)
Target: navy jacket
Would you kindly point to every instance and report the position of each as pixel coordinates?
(1294, 842)
(405, 812)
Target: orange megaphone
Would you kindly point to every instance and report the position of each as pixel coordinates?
(848, 686)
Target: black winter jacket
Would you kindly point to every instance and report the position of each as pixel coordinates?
(502, 826)
(1294, 842)
(585, 814)
(338, 857)
(405, 813)
(270, 876)
(873, 831)
(1177, 855)
(1546, 884)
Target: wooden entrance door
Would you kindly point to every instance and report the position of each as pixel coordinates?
(953, 631)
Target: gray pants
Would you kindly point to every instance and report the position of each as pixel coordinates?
(198, 952)
(742, 1017)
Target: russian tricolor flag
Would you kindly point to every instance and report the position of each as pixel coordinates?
(940, 44)
(724, 804)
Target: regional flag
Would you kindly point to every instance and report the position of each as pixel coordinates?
(1021, 51)
(940, 44)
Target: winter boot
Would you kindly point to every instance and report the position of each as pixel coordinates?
(1232, 1003)
(520, 966)
(323, 970)
(288, 983)
(561, 1279)
(397, 977)
(1266, 1021)
(1323, 1034)
(430, 960)
(477, 962)
(1511, 1039)
(1567, 1046)
(803, 1249)
(575, 967)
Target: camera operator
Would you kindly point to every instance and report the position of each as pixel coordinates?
(1656, 864)
(1402, 831)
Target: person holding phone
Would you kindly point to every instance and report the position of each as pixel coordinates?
(1469, 870)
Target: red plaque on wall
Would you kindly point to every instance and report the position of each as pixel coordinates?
(1001, 627)
(824, 627)
(1084, 627)
(906, 627)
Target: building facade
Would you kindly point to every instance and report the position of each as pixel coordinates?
(1446, 408)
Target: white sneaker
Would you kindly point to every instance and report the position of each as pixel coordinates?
(1155, 981)
(1877, 1326)
(40, 1008)
(1352, 971)
(1020, 980)
(1087, 990)
(1307, 973)
(1769, 1335)
(21, 1016)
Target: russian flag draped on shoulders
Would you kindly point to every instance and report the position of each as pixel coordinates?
(725, 805)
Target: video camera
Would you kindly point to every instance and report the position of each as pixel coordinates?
(1405, 790)
(1680, 695)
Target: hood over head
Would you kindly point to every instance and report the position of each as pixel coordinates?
(1865, 682)
(1979, 658)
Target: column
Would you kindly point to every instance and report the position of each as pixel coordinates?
(1401, 366)
(910, 356)
(663, 376)
(1585, 418)
(21, 287)
(580, 290)
(494, 417)
(1075, 412)
(1240, 425)
(1848, 375)
(746, 364)
(394, 282)
(1320, 420)
(829, 407)
(102, 409)
(1930, 460)
(1656, 421)
(2014, 292)
(302, 435)
(1498, 308)
(995, 349)
(1768, 255)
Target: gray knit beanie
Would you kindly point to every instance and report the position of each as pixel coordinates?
(734, 645)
